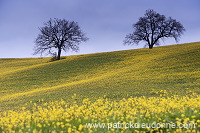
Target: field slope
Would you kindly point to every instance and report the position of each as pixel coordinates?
(119, 74)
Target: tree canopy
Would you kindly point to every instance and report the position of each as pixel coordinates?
(59, 34)
(152, 27)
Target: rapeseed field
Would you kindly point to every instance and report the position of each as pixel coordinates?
(138, 114)
(160, 85)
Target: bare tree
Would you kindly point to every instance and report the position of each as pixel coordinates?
(59, 34)
(153, 27)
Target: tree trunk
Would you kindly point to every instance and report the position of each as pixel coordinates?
(59, 53)
(150, 46)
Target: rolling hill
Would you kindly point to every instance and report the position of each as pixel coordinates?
(115, 75)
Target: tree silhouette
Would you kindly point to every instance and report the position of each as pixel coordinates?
(152, 27)
(59, 34)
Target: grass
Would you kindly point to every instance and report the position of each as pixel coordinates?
(160, 85)
(119, 74)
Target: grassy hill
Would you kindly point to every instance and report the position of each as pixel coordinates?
(138, 72)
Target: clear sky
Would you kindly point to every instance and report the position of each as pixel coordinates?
(105, 22)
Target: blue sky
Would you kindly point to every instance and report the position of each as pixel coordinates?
(105, 22)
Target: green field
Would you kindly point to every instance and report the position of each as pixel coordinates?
(116, 75)
(161, 85)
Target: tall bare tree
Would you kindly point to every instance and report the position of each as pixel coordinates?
(152, 27)
(59, 34)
